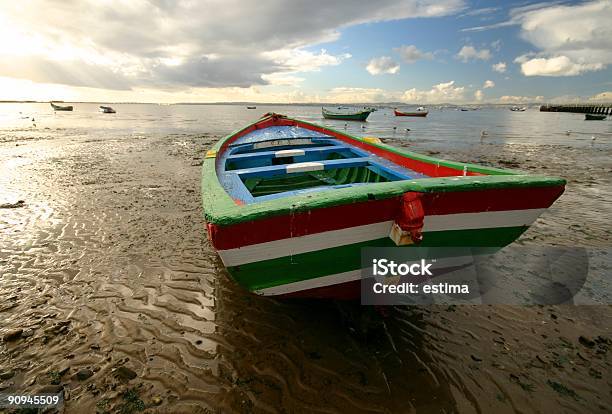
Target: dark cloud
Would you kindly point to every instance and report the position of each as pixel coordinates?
(78, 73)
(205, 72)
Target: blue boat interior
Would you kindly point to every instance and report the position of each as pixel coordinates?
(288, 160)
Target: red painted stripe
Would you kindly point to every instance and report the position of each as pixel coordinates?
(496, 199)
(301, 224)
(432, 170)
(358, 214)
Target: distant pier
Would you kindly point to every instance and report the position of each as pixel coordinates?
(601, 109)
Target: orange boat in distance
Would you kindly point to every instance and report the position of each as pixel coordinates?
(422, 112)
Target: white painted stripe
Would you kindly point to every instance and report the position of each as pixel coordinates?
(330, 239)
(304, 167)
(296, 245)
(482, 220)
(441, 263)
(289, 153)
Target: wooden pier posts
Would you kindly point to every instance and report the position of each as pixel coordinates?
(601, 109)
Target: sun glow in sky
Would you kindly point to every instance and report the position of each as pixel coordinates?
(445, 51)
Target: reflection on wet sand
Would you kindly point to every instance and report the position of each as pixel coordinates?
(110, 292)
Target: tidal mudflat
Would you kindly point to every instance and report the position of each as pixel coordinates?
(110, 291)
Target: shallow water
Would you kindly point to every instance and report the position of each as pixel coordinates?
(111, 244)
(444, 126)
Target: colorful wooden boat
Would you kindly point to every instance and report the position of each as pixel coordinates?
(60, 107)
(594, 117)
(290, 204)
(419, 112)
(346, 114)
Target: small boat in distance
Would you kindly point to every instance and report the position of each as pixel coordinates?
(346, 114)
(107, 109)
(60, 107)
(422, 112)
(251, 107)
(290, 204)
(518, 108)
(594, 117)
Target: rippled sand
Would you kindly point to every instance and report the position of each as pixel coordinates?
(106, 265)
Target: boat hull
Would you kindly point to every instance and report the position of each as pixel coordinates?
(62, 108)
(419, 114)
(360, 116)
(592, 117)
(311, 246)
(296, 254)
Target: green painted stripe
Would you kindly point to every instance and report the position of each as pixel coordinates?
(289, 269)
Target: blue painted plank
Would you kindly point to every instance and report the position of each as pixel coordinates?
(271, 154)
(235, 187)
(278, 132)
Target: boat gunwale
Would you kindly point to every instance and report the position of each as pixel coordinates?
(221, 209)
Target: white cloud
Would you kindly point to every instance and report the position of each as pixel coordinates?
(410, 53)
(571, 29)
(570, 39)
(555, 66)
(282, 79)
(573, 39)
(602, 97)
(383, 64)
(516, 15)
(299, 60)
(481, 12)
(499, 67)
(478, 95)
(365, 95)
(471, 53)
(509, 99)
(440, 93)
(488, 84)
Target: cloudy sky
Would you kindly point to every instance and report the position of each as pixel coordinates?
(416, 51)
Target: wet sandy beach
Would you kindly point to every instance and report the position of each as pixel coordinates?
(110, 292)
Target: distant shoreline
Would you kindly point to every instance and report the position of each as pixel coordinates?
(365, 104)
(281, 104)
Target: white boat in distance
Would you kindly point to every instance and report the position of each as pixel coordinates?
(60, 107)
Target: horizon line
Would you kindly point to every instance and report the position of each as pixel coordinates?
(391, 103)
